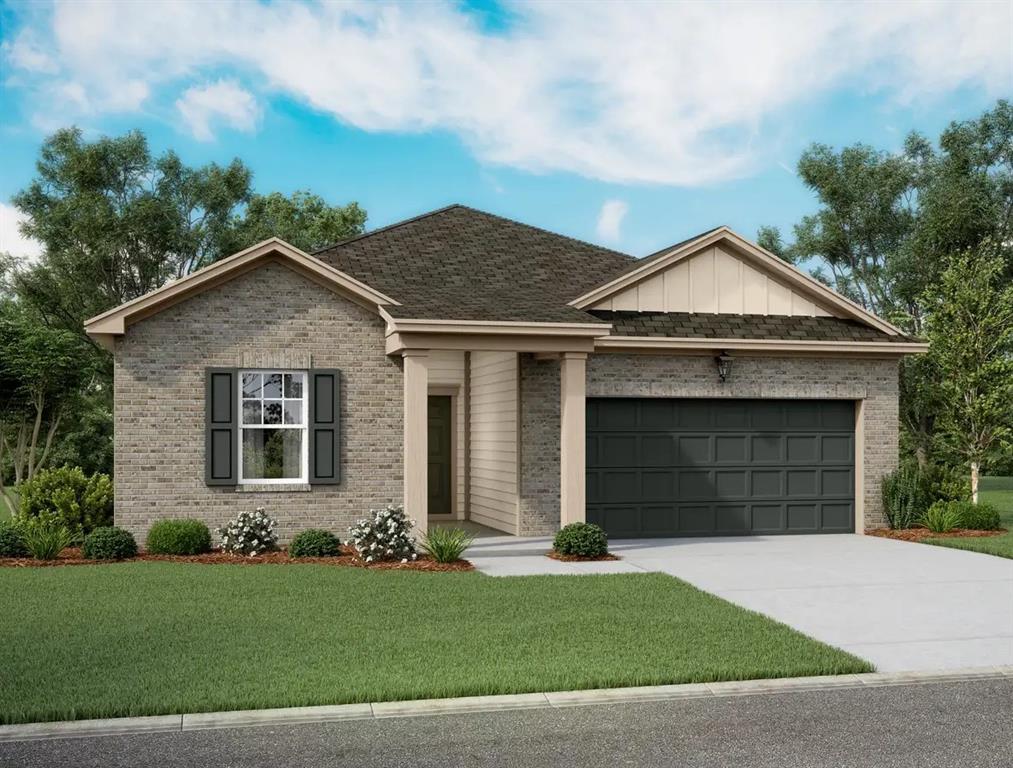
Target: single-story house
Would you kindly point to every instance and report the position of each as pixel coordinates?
(475, 368)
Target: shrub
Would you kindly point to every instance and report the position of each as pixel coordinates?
(45, 536)
(583, 539)
(250, 533)
(944, 483)
(385, 535)
(940, 518)
(979, 517)
(179, 537)
(83, 502)
(314, 543)
(445, 545)
(109, 543)
(904, 496)
(11, 542)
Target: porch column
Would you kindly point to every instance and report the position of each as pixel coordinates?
(416, 438)
(572, 387)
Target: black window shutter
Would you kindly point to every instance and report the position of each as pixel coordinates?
(221, 427)
(325, 426)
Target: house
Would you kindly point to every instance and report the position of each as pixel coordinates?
(477, 368)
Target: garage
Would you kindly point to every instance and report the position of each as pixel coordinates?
(664, 467)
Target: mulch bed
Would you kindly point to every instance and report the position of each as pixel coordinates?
(579, 558)
(917, 534)
(348, 558)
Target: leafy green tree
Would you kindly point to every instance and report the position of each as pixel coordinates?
(970, 331)
(43, 372)
(865, 217)
(116, 222)
(304, 219)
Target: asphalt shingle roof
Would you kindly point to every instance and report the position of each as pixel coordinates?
(458, 263)
(708, 326)
(461, 264)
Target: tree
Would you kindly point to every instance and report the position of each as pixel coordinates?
(865, 217)
(970, 331)
(43, 371)
(116, 222)
(770, 239)
(305, 220)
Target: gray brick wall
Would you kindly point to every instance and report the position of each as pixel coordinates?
(874, 381)
(539, 448)
(270, 317)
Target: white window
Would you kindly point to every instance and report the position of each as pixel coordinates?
(272, 427)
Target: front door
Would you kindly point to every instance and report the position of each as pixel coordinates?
(440, 441)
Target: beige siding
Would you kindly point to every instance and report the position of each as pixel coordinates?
(493, 424)
(446, 369)
(713, 281)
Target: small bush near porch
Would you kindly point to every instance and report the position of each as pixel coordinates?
(150, 638)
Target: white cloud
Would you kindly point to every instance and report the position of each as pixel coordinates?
(672, 93)
(610, 220)
(222, 101)
(11, 239)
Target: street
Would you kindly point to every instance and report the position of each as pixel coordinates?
(966, 724)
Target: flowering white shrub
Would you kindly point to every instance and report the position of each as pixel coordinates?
(385, 535)
(249, 534)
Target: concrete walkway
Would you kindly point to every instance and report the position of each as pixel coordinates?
(900, 605)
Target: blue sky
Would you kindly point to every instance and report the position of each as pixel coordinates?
(632, 126)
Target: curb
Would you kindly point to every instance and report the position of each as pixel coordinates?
(474, 704)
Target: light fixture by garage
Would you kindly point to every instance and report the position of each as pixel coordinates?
(724, 364)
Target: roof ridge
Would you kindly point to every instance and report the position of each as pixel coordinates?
(547, 231)
(388, 227)
(444, 209)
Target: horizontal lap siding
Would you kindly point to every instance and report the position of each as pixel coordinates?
(493, 400)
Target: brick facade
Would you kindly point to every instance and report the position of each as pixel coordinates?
(875, 382)
(270, 317)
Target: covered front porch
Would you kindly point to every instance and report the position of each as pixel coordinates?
(470, 398)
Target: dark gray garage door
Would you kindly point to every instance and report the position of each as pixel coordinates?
(665, 467)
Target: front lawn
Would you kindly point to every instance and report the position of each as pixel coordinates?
(153, 638)
(998, 491)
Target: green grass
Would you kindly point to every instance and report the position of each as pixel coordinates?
(998, 491)
(8, 503)
(155, 638)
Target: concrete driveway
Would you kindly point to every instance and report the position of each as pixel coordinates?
(900, 605)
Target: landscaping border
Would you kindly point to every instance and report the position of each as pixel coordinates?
(474, 704)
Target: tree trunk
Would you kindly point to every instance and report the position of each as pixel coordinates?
(922, 455)
(975, 469)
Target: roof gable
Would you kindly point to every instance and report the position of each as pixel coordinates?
(115, 321)
(720, 272)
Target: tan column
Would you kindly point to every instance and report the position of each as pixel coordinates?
(416, 437)
(572, 387)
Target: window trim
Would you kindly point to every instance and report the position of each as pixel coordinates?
(303, 478)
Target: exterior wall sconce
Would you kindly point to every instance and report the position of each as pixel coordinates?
(724, 364)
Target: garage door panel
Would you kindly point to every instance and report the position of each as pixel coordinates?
(802, 449)
(837, 482)
(732, 519)
(803, 517)
(838, 517)
(618, 451)
(694, 449)
(696, 519)
(767, 518)
(657, 450)
(802, 482)
(767, 482)
(731, 484)
(731, 449)
(837, 448)
(767, 449)
(669, 467)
